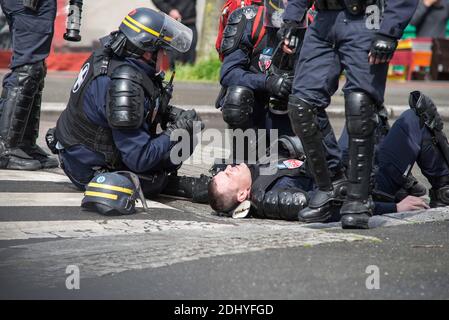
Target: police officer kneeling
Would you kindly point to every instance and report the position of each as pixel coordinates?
(117, 102)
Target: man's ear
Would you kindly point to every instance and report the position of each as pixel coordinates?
(243, 195)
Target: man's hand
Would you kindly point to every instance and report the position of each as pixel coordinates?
(290, 33)
(174, 13)
(382, 49)
(411, 203)
(279, 86)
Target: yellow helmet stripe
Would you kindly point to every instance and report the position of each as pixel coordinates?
(109, 187)
(131, 26)
(101, 195)
(145, 28)
(274, 6)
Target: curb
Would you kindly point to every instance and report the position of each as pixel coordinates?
(207, 110)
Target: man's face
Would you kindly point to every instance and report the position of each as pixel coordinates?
(234, 180)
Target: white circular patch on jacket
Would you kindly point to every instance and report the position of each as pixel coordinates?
(81, 77)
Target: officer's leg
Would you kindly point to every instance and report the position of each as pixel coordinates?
(17, 106)
(239, 112)
(364, 91)
(435, 169)
(314, 80)
(32, 35)
(28, 144)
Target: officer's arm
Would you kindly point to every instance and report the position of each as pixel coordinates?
(384, 207)
(236, 48)
(296, 10)
(397, 15)
(139, 151)
(234, 72)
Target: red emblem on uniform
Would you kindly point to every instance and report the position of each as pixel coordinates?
(293, 163)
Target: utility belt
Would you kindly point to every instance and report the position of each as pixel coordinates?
(355, 7)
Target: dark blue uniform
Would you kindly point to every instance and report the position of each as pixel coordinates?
(352, 33)
(241, 67)
(337, 35)
(405, 144)
(31, 28)
(140, 151)
(31, 33)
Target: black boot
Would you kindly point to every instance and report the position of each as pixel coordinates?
(439, 194)
(28, 144)
(15, 113)
(321, 205)
(361, 123)
(304, 122)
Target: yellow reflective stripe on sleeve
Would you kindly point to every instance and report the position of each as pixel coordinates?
(131, 26)
(101, 195)
(109, 187)
(145, 28)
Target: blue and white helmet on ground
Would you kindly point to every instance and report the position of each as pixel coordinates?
(113, 193)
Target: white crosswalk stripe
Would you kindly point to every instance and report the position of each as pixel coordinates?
(53, 199)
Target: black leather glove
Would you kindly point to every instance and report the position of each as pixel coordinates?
(185, 120)
(293, 32)
(279, 86)
(382, 49)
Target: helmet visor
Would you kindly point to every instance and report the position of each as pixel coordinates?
(274, 9)
(176, 35)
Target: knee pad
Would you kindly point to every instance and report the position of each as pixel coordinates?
(238, 107)
(361, 115)
(302, 116)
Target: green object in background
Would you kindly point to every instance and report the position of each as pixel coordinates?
(409, 32)
(206, 69)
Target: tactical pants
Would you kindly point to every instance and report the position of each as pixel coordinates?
(337, 41)
(405, 144)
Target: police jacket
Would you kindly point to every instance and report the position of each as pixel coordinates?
(83, 128)
(246, 50)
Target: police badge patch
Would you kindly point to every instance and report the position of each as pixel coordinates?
(265, 59)
(292, 164)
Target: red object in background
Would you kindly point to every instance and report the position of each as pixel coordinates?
(58, 60)
(413, 53)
